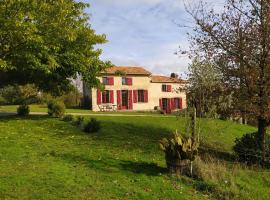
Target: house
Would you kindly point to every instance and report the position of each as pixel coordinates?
(136, 89)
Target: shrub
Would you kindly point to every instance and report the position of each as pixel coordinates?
(92, 126)
(68, 118)
(79, 122)
(247, 149)
(179, 153)
(56, 109)
(23, 110)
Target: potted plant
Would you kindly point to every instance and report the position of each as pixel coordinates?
(179, 151)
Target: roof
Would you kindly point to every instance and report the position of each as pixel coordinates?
(127, 70)
(166, 79)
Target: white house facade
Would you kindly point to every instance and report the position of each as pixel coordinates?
(136, 89)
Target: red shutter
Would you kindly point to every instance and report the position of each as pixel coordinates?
(98, 97)
(181, 104)
(160, 104)
(169, 88)
(130, 100)
(135, 96)
(119, 105)
(111, 81)
(129, 81)
(111, 96)
(146, 96)
(172, 104)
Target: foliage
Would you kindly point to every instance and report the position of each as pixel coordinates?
(179, 148)
(79, 122)
(237, 40)
(68, 118)
(47, 43)
(23, 110)
(92, 126)
(206, 90)
(19, 94)
(56, 109)
(247, 148)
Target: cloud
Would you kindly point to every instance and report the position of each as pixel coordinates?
(142, 32)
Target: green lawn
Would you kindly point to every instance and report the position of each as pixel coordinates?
(43, 108)
(45, 158)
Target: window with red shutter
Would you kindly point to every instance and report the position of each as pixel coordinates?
(119, 106)
(181, 103)
(129, 81)
(146, 96)
(172, 104)
(111, 81)
(111, 96)
(130, 99)
(135, 96)
(106, 96)
(169, 88)
(98, 97)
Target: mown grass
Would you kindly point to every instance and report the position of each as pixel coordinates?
(45, 158)
(43, 108)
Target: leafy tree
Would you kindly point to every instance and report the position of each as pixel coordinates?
(47, 42)
(14, 94)
(237, 39)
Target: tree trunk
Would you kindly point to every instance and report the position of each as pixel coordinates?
(193, 121)
(262, 124)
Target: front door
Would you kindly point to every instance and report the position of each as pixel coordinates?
(166, 105)
(125, 99)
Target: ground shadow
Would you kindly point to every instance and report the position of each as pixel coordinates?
(111, 165)
(205, 151)
(149, 169)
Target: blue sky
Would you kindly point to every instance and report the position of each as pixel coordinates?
(143, 32)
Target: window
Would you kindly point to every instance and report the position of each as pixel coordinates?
(108, 80)
(105, 80)
(164, 88)
(176, 103)
(124, 81)
(106, 96)
(141, 97)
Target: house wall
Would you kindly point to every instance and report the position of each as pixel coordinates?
(141, 83)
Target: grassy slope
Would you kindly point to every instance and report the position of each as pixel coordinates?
(44, 158)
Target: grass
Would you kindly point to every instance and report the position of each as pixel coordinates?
(43, 109)
(45, 158)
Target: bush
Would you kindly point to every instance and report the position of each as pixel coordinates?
(68, 118)
(79, 122)
(23, 110)
(56, 109)
(92, 126)
(247, 149)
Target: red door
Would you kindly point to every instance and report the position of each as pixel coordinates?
(124, 100)
(166, 105)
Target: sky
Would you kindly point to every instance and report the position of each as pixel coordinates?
(144, 33)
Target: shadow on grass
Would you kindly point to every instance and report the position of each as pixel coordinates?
(6, 117)
(216, 153)
(113, 165)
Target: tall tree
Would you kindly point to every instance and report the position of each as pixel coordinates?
(238, 40)
(47, 42)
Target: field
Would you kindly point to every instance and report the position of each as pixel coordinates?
(45, 158)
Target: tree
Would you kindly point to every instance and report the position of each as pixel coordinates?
(46, 43)
(174, 75)
(237, 39)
